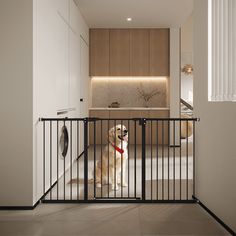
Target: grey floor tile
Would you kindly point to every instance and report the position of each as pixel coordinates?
(109, 219)
(177, 212)
(181, 228)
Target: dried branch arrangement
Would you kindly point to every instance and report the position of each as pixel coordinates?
(146, 96)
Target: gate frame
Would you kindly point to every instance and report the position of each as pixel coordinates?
(142, 123)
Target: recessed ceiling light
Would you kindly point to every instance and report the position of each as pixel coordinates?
(129, 19)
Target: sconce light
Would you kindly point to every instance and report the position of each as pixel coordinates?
(187, 69)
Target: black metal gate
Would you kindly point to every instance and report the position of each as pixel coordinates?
(118, 160)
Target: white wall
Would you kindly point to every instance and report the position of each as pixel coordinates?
(215, 137)
(16, 103)
(187, 58)
(174, 72)
(174, 80)
(187, 35)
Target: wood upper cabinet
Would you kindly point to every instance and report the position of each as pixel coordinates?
(159, 52)
(119, 52)
(129, 52)
(139, 52)
(99, 52)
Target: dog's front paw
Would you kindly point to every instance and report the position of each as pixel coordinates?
(98, 185)
(115, 187)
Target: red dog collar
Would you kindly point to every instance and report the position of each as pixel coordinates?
(121, 151)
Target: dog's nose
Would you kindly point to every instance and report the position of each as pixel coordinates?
(125, 131)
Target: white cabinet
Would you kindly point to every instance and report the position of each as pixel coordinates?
(58, 69)
(84, 78)
(74, 78)
(63, 9)
(62, 63)
(74, 19)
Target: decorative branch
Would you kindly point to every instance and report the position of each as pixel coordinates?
(146, 96)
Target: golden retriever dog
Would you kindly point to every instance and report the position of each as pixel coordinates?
(114, 159)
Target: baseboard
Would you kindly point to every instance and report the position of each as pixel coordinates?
(18, 208)
(221, 222)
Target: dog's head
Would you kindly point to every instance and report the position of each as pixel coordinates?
(118, 134)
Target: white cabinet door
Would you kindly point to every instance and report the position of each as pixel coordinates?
(74, 20)
(84, 78)
(84, 86)
(62, 63)
(63, 9)
(74, 79)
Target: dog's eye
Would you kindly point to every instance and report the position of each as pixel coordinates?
(118, 128)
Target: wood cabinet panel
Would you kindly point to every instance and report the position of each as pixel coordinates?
(120, 114)
(159, 52)
(160, 127)
(151, 130)
(139, 52)
(99, 52)
(101, 127)
(119, 52)
(129, 52)
(139, 114)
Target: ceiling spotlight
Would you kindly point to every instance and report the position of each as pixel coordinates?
(129, 19)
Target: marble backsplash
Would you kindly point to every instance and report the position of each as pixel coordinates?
(124, 90)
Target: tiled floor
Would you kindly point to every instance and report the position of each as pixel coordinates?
(109, 219)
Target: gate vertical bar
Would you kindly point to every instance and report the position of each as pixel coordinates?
(101, 158)
(64, 172)
(194, 158)
(143, 123)
(50, 160)
(78, 153)
(71, 160)
(162, 158)
(86, 159)
(135, 158)
(151, 158)
(187, 160)
(168, 155)
(180, 162)
(157, 157)
(128, 157)
(44, 167)
(174, 161)
(94, 159)
(121, 159)
(57, 164)
(108, 172)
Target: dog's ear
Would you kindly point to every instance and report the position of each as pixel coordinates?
(111, 134)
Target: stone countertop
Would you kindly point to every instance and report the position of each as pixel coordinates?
(132, 108)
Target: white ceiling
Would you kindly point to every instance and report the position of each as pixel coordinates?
(145, 13)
